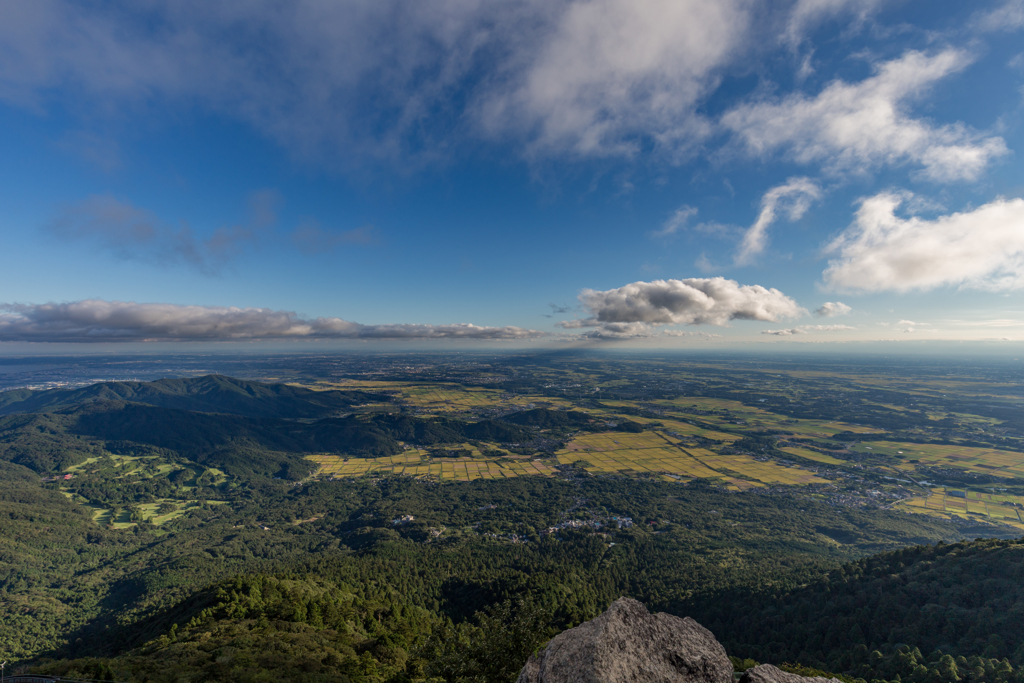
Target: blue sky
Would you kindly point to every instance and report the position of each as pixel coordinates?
(631, 172)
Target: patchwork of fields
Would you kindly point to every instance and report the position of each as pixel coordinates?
(666, 449)
(413, 463)
(978, 460)
(648, 453)
(946, 503)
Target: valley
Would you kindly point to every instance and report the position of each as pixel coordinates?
(441, 489)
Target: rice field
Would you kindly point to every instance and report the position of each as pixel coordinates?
(413, 464)
(811, 455)
(652, 453)
(978, 460)
(646, 453)
(945, 503)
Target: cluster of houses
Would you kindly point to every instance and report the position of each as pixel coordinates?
(619, 522)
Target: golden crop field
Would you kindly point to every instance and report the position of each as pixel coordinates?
(996, 507)
(978, 460)
(649, 452)
(811, 455)
(820, 428)
(689, 430)
(411, 463)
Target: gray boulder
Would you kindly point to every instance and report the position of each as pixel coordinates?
(628, 644)
(766, 673)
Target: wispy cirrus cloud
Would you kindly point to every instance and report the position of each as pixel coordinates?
(1009, 16)
(807, 13)
(858, 127)
(793, 197)
(310, 238)
(979, 249)
(677, 221)
(95, 320)
(133, 233)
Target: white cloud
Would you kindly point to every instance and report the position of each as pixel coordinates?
(908, 326)
(112, 321)
(794, 197)
(635, 308)
(860, 126)
(1007, 17)
(615, 72)
(347, 82)
(808, 12)
(980, 249)
(390, 77)
(677, 221)
(830, 309)
(133, 233)
(805, 329)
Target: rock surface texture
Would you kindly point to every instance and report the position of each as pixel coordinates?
(628, 644)
(766, 673)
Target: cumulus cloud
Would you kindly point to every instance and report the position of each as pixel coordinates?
(979, 249)
(116, 321)
(830, 309)
(130, 232)
(805, 329)
(793, 197)
(855, 127)
(636, 308)
(613, 73)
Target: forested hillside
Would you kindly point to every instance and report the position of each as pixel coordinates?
(869, 617)
(211, 394)
(191, 541)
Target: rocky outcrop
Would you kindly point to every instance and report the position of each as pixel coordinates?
(766, 673)
(628, 644)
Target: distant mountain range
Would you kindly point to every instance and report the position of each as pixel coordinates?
(208, 394)
(243, 428)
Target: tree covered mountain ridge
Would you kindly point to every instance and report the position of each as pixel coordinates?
(209, 393)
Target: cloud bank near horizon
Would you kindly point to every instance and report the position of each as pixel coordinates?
(95, 320)
(635, 309)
